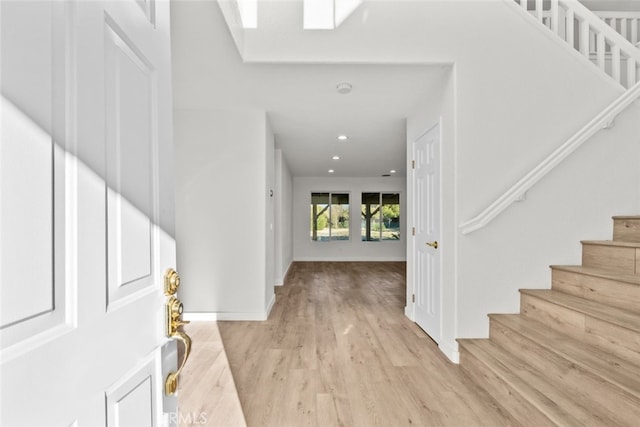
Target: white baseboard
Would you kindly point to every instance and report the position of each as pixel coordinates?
(270, 306)
(451, 351)
(352, 259)
(200, 317)
(408, 311)
(284, 276)
(215, 316)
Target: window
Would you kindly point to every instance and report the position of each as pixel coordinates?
(380, 217)
(329, 216)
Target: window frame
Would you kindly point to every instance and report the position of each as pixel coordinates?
(329, 208)
(379, 214)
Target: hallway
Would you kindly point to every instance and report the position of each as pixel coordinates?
(337, 350)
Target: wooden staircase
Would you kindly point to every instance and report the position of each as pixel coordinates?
(572, 356)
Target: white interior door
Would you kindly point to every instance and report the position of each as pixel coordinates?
(86, 225)
(427, 247)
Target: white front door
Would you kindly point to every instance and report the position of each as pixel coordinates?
(86, 219)
(427, 245)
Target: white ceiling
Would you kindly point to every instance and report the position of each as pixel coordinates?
(302, 104)
(307, 115)
(301, 101)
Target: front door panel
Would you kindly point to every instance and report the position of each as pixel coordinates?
(86, 220)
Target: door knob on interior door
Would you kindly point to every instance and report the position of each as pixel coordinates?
(174, 309)
(433, 244)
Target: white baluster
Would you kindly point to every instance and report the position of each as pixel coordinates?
(570, 32)
(562, 23)
(554, 17)
(615, 62)
(583, 38)
(600, 48)
(623, 28)
(539, 10)
(631, 72)
(523, 3)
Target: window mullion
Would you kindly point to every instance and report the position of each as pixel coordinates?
(330, 219)
(380, 217)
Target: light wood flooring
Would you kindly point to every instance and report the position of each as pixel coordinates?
(207, 395)
(337, 350)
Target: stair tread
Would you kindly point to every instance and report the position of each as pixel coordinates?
(614, 315)
(597, 272)
(615, 243)
(559, 406)
(572, 356)
(615, 370)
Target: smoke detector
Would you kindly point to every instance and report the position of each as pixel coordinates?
(344, 88)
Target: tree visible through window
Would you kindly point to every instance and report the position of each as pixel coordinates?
(329, 216)
(380, 216)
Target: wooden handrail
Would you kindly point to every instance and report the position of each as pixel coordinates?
(551, 161)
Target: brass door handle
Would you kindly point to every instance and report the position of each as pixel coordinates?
(171, 383)
(433, 244)
(174, 310)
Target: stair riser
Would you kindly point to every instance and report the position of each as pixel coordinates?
(606, 291)
(614, 405)
(619, 341)
(612, 258)
(626, 229)
(519, 407)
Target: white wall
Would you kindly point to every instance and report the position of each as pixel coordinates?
(516, 94)
(304, 249)
(498, 122)
(221, 167)
(269, 225)
(283, 217)
(574, 202)
(483, 271)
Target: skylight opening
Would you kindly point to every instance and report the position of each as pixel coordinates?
(248, 13)
(327, 14)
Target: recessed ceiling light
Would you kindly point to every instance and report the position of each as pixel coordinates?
(336, 157)
(344, 88)
(392, 171)
(343, 137)
(331, 171)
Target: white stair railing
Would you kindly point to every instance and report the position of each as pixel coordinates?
(625, 23)
(517, 191)
(576, 25)
(592, 36)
